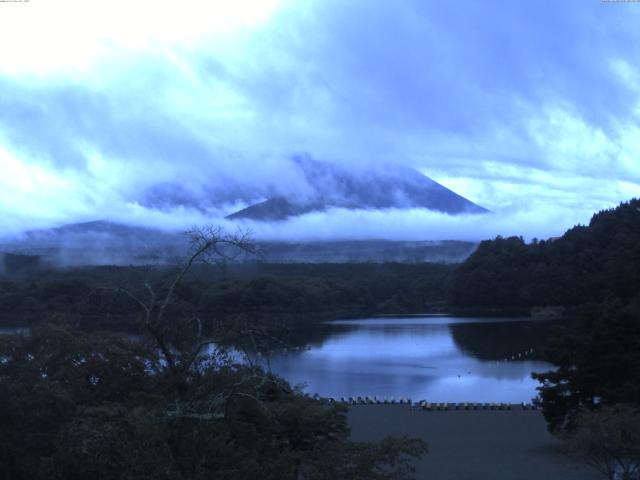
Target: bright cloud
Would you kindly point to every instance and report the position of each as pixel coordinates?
(41, 37)
(531, 109)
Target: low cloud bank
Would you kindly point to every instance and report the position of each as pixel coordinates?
(390, 224)
(416, 224)
(188, 113)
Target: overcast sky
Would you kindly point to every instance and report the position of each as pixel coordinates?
(528, 108)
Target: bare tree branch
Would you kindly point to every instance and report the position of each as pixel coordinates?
(206, 242)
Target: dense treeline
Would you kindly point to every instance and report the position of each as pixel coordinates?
(93, 296)
(170, 403)
(594, 269)
(587, 264)
(75, 405)
(598, 363)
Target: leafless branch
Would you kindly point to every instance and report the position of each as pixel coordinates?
(206, 242)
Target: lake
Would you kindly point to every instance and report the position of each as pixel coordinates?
(440, 359)
(434, 358)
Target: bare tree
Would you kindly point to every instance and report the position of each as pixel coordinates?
(608, 440)
(208, 245)
(181, 340)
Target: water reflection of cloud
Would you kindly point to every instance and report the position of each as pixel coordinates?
(417, 359)
(481, 389)
(372, 345)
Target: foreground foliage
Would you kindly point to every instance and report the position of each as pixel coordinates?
(591, 399)
(174, 406)
(598, 364)
(609, 441)
(75, 405)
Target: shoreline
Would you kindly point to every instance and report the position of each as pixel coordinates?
(472, 444)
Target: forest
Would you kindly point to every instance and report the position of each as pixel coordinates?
(589, 263)
(78, 399)
(91, 297)
(593, 271)
(160, 404)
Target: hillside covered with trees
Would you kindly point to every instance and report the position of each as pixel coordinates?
(588, 263)
(592, 397)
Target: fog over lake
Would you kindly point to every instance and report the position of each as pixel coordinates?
(441, 359)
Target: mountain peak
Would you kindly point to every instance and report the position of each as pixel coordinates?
(371, 189)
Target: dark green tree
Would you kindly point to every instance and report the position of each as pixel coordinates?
(608, 440)
(597, 363)
(170, 405)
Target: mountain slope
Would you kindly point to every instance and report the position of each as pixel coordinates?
(333, 186)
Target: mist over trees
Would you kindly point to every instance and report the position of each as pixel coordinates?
(172, 403)
(87, 391)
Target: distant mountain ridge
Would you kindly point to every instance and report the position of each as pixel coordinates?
(317, 187)
(110, 243)
(337, 187)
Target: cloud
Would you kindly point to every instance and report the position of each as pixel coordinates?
(536, 220)
(125, 112)
(416, 224)
(75, 35)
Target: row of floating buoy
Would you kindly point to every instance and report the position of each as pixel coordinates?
(284, 350)
(431, 406)
(372, 400)
(296, 349)
(517, 356)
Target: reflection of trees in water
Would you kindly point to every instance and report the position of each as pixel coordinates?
(288, 333)
(500, 340)
(485, 341)
(312, 334)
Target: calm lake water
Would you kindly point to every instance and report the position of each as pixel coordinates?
(440, 359)
(434, 358)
